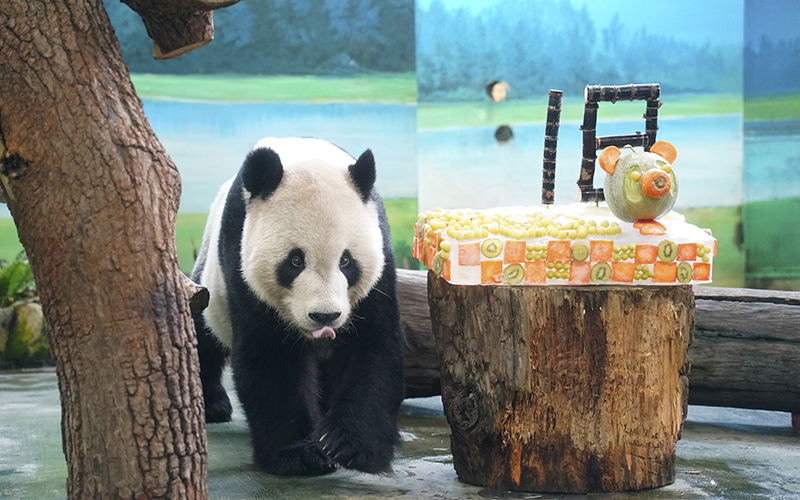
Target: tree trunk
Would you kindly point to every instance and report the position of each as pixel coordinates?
(745, 353)
(94, 197)
(558, 389)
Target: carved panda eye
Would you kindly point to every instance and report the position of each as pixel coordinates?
(344, 261)
(297, 261)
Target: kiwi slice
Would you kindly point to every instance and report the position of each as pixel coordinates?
(601, 272)
(580, 252)
(438, 265)
(667, 251)
(513, 274)
(491, 248)
(684, 272)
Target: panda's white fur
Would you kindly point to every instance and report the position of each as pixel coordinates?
(298, 262)
(316, 208)
(216, 314)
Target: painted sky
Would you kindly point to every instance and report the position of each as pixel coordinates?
(713, 20)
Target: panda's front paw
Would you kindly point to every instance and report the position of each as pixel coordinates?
(218, 406)
(303, 458)
(362, 451)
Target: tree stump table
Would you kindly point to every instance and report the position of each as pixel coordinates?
(563, 389)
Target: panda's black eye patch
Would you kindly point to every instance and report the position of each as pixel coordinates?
(291, 267)
(350, 268)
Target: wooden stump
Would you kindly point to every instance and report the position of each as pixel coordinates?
(563, 389)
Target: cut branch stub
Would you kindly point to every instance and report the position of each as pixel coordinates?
(198, 295)
(178, 26)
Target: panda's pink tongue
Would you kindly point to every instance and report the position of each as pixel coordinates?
(323, 332)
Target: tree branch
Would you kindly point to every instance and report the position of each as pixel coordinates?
(177, 26)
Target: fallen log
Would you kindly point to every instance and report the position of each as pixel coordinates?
(745, 354)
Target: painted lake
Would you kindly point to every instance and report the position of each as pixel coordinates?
(467, 167)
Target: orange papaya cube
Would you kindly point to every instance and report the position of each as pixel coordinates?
(491, 271)
(664, 272)
(701, 271)
(622, 272)
(601, 251)
(646, 254)
(580, 272)
(430, 253)
(514, 252)
(687, 251)
(446, 270)
(559, 250)
(469, 254)
(535, 272)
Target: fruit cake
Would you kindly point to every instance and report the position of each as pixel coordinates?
(578, 244)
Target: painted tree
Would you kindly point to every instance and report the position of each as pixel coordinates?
(94, 197)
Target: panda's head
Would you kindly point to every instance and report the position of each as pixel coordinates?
(312, 245)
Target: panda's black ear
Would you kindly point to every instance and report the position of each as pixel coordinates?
(262, 172)
(363, 174)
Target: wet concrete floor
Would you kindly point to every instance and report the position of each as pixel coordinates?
(724, 454)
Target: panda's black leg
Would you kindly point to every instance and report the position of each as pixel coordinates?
(359, 429)
(277, 390)
(212, 361)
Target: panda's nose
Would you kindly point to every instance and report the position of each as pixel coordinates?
(324, 318)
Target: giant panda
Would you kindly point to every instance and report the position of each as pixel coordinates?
(297, 258)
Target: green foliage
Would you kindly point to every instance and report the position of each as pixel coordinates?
(16, 280)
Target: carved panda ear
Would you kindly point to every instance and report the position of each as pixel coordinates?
(363, 174)
(262, 172)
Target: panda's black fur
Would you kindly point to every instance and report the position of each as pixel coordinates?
(312, 405)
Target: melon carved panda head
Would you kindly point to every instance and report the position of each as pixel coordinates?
(312, 246)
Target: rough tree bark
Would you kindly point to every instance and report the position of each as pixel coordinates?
(563, 389)
(94, 197)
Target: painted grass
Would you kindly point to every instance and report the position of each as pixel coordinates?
(774, 107)
(724, 224)
(772, 239)
(445, 115)
(384, 87)
(763, 236)
(402, 214)
(9, 241)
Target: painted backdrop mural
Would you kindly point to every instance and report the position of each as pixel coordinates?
(537, 45)
(772, 143)
(408, 80)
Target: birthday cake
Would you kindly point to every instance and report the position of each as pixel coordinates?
(577, 244)
(613, 237)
